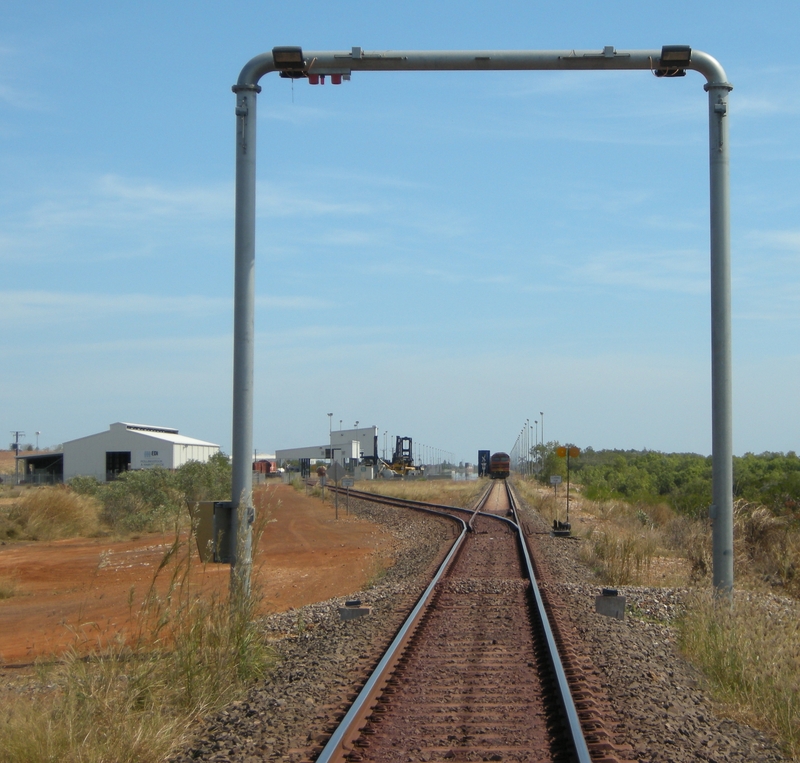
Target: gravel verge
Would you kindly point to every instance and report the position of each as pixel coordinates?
(663, 711)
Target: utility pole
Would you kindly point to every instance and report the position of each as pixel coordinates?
(16, 435)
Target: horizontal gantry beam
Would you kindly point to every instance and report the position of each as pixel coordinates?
(671, 60)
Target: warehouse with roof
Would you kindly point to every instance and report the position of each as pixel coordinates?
(131, 446)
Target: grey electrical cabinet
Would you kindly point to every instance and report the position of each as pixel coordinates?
(211, 524)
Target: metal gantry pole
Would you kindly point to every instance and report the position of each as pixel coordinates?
(243, 513)
(669, 61)
(721, 510)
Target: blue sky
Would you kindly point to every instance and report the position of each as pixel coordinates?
(440, 255)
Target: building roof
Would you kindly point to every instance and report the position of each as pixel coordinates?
(145, 427)
(167, 434)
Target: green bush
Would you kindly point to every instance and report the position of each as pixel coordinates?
(84, 485)
(156, 499)
(210, 481)
(684, 479)
(141, 501)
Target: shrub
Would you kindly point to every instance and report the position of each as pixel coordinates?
(210, 481)
(766, 546)
(156, 499)
(141, 501)
(8, 588)
(84, 485)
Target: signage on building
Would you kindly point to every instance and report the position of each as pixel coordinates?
(152, 458)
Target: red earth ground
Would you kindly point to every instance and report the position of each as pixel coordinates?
(70, 592)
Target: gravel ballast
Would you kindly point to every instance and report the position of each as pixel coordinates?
(663, 711)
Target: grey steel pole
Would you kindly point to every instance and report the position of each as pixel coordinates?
(721, 509)
(541, 416)
(243, 513)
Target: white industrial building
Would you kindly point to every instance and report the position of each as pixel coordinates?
(347, 446)
(131, 446)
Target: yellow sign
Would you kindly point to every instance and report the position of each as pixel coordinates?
(561, 452)
(574, 452)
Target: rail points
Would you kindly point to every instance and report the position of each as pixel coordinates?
(477, 671)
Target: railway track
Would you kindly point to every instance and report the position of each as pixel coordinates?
(475, 672)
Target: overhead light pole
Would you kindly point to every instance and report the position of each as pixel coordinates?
(541, 418)
(527, 446)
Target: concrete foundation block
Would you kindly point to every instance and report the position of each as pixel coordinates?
(351, 613)
(610, 606)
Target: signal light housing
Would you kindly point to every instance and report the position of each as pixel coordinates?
(674, 61)
(289, 61)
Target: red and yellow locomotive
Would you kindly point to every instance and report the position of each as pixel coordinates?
(499, 466)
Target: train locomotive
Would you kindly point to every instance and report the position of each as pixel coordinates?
(499, 466)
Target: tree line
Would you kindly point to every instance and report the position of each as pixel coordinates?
(681, 479)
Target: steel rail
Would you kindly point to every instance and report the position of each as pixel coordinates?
(366, 698)
(364, 702)
(564, 693)
(407, 502)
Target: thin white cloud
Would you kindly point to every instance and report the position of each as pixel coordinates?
(10, 94)
(19, 99)
(30, 306)
(763, 105)
(111, 201)
(292, 303)
(684, 272)
(341, 237)
(36, 307)
(276, 200)
(112, 217)
(775, 239)
(170, 346)
(359, 181)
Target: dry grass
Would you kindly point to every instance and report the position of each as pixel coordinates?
(49, 513)
(135, 699)
(621, 541)
(8, 588)
(766, 548)
(446, 492)
(620, 557)
(750, 651)
(541, 500)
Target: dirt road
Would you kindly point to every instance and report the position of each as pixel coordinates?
(76, 591)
